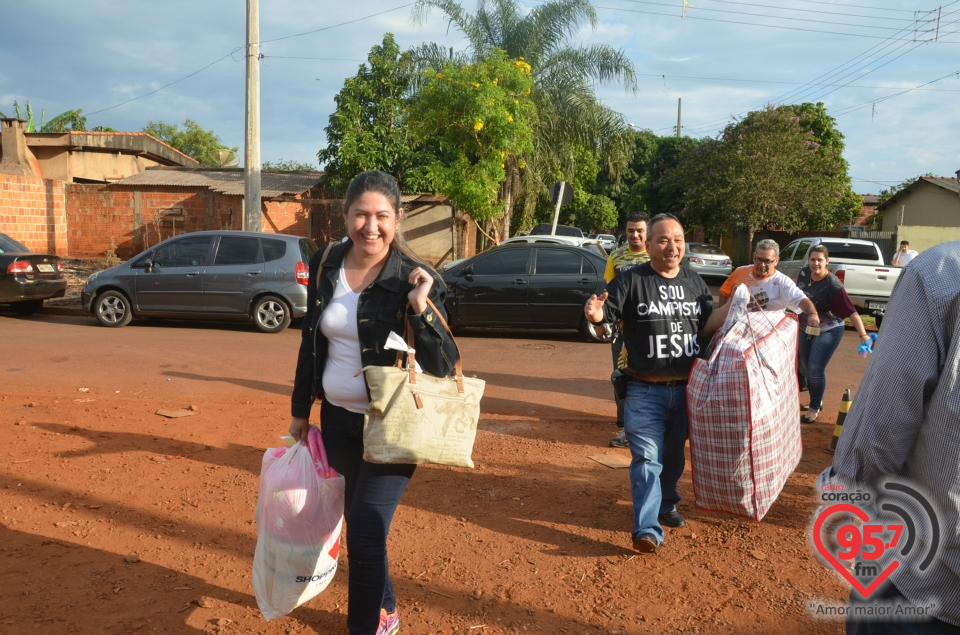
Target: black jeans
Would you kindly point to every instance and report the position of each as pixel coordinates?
(616, 347)
(373, 492)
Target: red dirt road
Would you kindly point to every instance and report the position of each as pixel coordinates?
(535, 539)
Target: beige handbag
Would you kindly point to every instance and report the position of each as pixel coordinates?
(418, 418)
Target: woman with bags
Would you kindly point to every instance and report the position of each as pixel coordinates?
(833, 306)
(358, 292)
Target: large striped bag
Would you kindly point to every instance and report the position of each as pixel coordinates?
(743, 407)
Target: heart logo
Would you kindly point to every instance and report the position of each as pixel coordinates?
(865, 591)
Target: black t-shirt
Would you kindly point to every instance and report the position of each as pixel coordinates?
(660, 320)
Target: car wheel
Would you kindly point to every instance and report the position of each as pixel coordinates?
(587, 332)
(271, 314)
(113, 309)
(28, 308)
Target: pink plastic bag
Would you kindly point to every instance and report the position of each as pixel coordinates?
(299, 518)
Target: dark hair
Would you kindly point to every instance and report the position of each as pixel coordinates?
(904, 242)
(637, 217)
(819, 249)
(660, 217)
(381, 183)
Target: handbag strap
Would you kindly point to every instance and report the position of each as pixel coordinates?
(411, 357)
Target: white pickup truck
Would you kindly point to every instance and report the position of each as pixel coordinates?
(859, 265)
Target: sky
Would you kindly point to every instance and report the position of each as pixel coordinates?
(723, 59)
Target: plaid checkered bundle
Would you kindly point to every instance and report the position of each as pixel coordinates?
(743, 407)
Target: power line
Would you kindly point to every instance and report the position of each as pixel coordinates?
(781, 17)
(850, 109)
(854, 15)
(857, 6)
(771, 26)
(230, 54)
(773, 81)
(328, 59)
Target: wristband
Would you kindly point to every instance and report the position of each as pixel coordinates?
(600, 323)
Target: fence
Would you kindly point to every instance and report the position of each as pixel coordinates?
(886, 241)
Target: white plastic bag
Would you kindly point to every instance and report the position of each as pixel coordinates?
(299, 517)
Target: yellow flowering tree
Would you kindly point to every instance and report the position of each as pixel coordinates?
(477, 121)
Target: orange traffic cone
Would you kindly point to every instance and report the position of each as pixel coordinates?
(845, 404)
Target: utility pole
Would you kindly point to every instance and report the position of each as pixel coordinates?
(251, 146)
(679, 108)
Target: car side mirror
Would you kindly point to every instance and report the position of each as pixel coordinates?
(468, 273)
(148, 266)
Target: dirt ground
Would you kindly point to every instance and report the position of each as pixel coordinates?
(114, 519)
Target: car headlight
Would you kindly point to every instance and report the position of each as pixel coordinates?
(93, 276)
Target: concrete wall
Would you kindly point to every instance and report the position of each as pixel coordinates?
(33, 212)
(921, 237)
(925, 205)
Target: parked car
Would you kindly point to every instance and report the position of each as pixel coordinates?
(707, 260)
(219, 275)
(525, 285)
(26, 278)
(609, 241)
(546, 229)
(588, 243)
(858, 263)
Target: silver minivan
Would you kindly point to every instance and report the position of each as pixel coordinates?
(221, 275)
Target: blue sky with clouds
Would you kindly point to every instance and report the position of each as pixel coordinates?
(725, 58)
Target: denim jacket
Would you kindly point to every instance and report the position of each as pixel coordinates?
(380, 310)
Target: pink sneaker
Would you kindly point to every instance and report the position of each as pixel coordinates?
(389, 623)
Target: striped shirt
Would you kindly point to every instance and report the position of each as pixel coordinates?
(905, 418)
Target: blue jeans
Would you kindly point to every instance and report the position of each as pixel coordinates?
(815, 354)
(655, 420)
(372, 494)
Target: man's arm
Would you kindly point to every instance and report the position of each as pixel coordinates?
(882, 427)
(714, 321)
(896, 258)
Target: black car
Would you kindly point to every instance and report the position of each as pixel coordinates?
(525, 285)
(26, 278)
(546, 229)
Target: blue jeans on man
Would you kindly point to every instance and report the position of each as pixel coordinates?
(655, 420)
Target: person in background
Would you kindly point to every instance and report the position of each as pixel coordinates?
(633, 252)
(666, 316)
(770, 289)
(903, 423)
(833, 307)
(904, 255)
(355, 298)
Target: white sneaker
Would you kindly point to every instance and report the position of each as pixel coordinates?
(619, 441)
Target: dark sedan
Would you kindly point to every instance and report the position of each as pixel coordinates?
(527, 286)
(26, 278)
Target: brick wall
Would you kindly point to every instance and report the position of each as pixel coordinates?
(101, 217)
(33, 211)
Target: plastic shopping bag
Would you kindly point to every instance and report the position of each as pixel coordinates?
(299, 517)
(743, 408)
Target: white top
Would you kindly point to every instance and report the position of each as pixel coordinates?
(903, 258)
(773, 293)
(339, 325)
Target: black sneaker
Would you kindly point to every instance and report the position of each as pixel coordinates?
(619, 441)
(646, 543)
(671, 519)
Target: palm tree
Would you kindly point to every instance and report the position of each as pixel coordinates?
(569, 113)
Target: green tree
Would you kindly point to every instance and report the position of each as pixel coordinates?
(287, 166)
(477, 120)
(368, 129)
(766, 171)
(64, 122)
(564, 80)
(192, 140)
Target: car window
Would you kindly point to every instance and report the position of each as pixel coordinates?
(237, 250)
(557, 261)
(141, 262)
(706, 249)
(307, 249)
(588, 267)
(852, 251)
(275, 249)
(189, 251)
(8, 244)
(802, 250)
(787, 254)
(507, 262)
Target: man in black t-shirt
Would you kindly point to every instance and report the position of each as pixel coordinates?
(667, 317)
